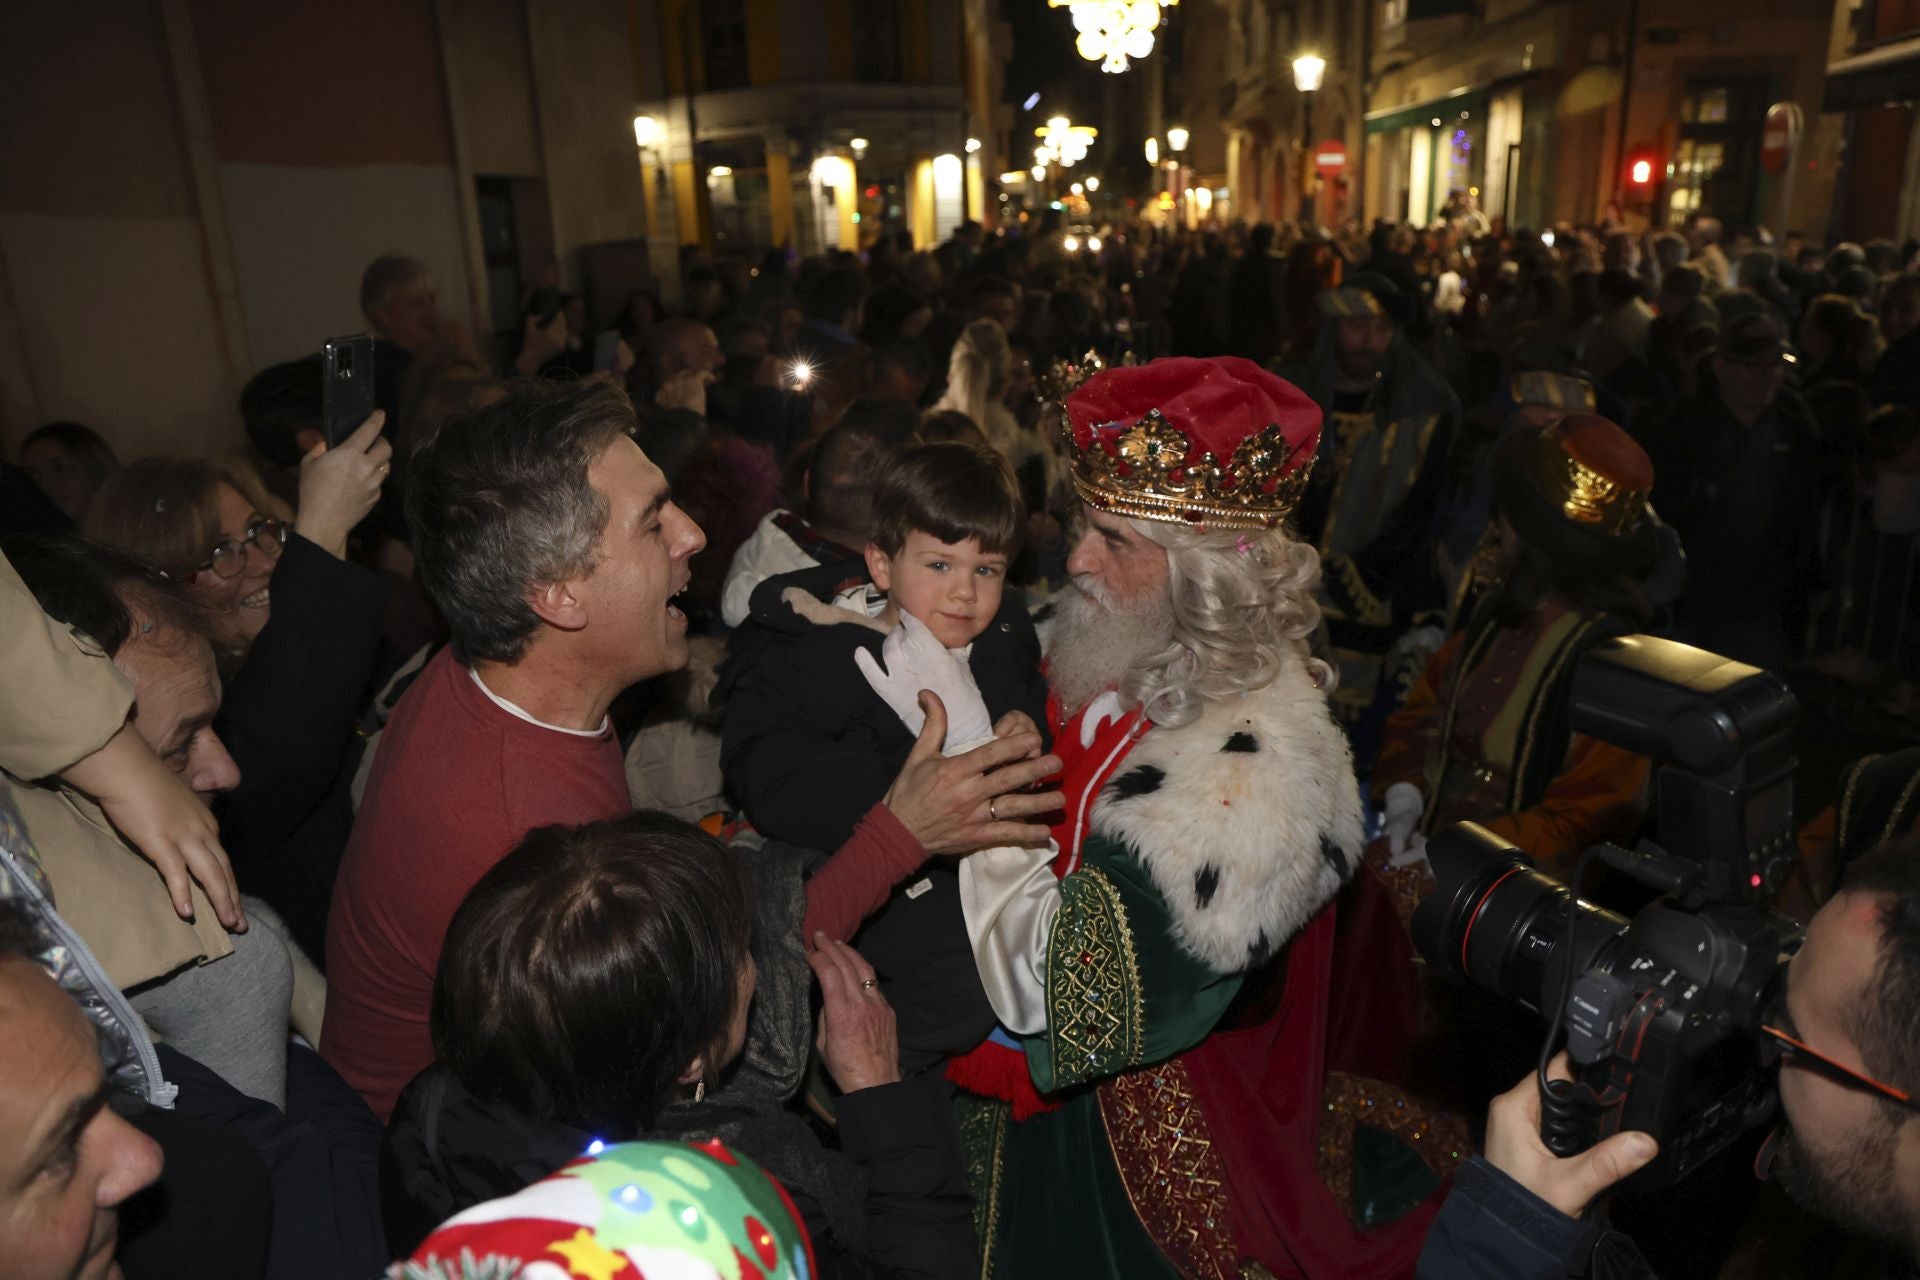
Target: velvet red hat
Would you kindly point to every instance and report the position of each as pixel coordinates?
(1216, 442)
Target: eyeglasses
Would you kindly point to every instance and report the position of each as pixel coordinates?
(230, 554)
(1810, 1058)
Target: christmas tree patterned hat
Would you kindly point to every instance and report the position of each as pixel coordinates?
(637, 1211)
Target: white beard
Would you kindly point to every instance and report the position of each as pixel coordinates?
(1097, 642)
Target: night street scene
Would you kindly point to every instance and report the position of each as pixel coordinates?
(960, 640)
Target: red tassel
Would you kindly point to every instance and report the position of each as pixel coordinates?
(997, 1071)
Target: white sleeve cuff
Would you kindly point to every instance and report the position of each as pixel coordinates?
(1010, 897)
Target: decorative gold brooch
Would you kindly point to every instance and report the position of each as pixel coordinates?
(1148, 474)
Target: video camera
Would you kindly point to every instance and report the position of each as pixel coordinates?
(1663, 1010)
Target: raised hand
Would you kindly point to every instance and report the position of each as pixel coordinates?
(339, 486)
(164, 820)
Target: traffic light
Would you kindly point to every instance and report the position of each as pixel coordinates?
(1642, 166)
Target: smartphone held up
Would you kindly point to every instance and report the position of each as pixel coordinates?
(347, 385)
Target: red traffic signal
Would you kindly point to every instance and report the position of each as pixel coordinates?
(1642, 165)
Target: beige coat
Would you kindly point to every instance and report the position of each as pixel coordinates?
(60, 701)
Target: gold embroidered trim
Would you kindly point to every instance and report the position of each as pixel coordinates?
(1176, 1183)
(1368, 609)
(1523, 760)
(983, 1135)
(1094, 1005)
(1845, 816)
(1437, 1137)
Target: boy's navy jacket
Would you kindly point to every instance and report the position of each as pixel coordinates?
(808, 748)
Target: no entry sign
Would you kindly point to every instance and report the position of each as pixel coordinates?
(1778, 136)
(1330, 157)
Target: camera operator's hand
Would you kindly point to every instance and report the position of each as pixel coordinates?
(1400, 814)
(1568, 1183)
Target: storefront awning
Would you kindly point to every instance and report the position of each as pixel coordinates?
(1473, 99)
(1890, 73)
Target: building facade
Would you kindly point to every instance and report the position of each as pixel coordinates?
(1549, 111)
(1873, 90)
(816, 123)
(193, 188)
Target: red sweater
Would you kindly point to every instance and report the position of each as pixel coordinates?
(457, 782)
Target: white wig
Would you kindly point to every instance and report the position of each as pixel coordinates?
(1242, 603)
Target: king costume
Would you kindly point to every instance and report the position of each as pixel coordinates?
(1201, 1047)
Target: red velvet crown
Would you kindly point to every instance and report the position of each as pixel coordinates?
(1217, 442)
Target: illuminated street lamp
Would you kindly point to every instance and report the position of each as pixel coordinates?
(1153, 151)
(1177, 139)
(646, 131)
(1093, 184)
(973, 145)
(1308, 70)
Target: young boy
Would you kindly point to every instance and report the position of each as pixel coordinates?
(809, 746)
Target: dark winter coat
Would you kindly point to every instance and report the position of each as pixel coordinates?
(808, 748)
(899, 1166)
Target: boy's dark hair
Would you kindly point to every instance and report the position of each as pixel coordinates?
(1884, 1021)
(952, 492)
(280, 402)
(95, 589)
(589, 967)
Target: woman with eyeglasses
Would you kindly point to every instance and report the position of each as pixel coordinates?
(296, 628)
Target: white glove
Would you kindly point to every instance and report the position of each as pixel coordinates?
(1401, 814)
(915, 661)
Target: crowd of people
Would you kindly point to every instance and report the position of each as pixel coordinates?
(920, 762)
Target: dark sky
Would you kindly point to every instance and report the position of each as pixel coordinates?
(1044, 59)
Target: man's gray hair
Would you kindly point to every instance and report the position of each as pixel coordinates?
(1241, 601)
(499, 505)
(385, 276)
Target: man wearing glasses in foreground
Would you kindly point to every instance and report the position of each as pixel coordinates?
(1847, 1146)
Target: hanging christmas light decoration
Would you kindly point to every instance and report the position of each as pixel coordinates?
(1063, 143)
(1112, 31)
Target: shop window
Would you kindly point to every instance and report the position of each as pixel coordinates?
(1715, 166)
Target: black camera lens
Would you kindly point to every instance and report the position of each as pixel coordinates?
(1495, 920)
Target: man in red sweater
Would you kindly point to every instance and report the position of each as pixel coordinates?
(553, 548)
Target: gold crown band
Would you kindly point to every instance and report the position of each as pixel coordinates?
(1149, 476)
(1348, 303)
(1582, 494)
